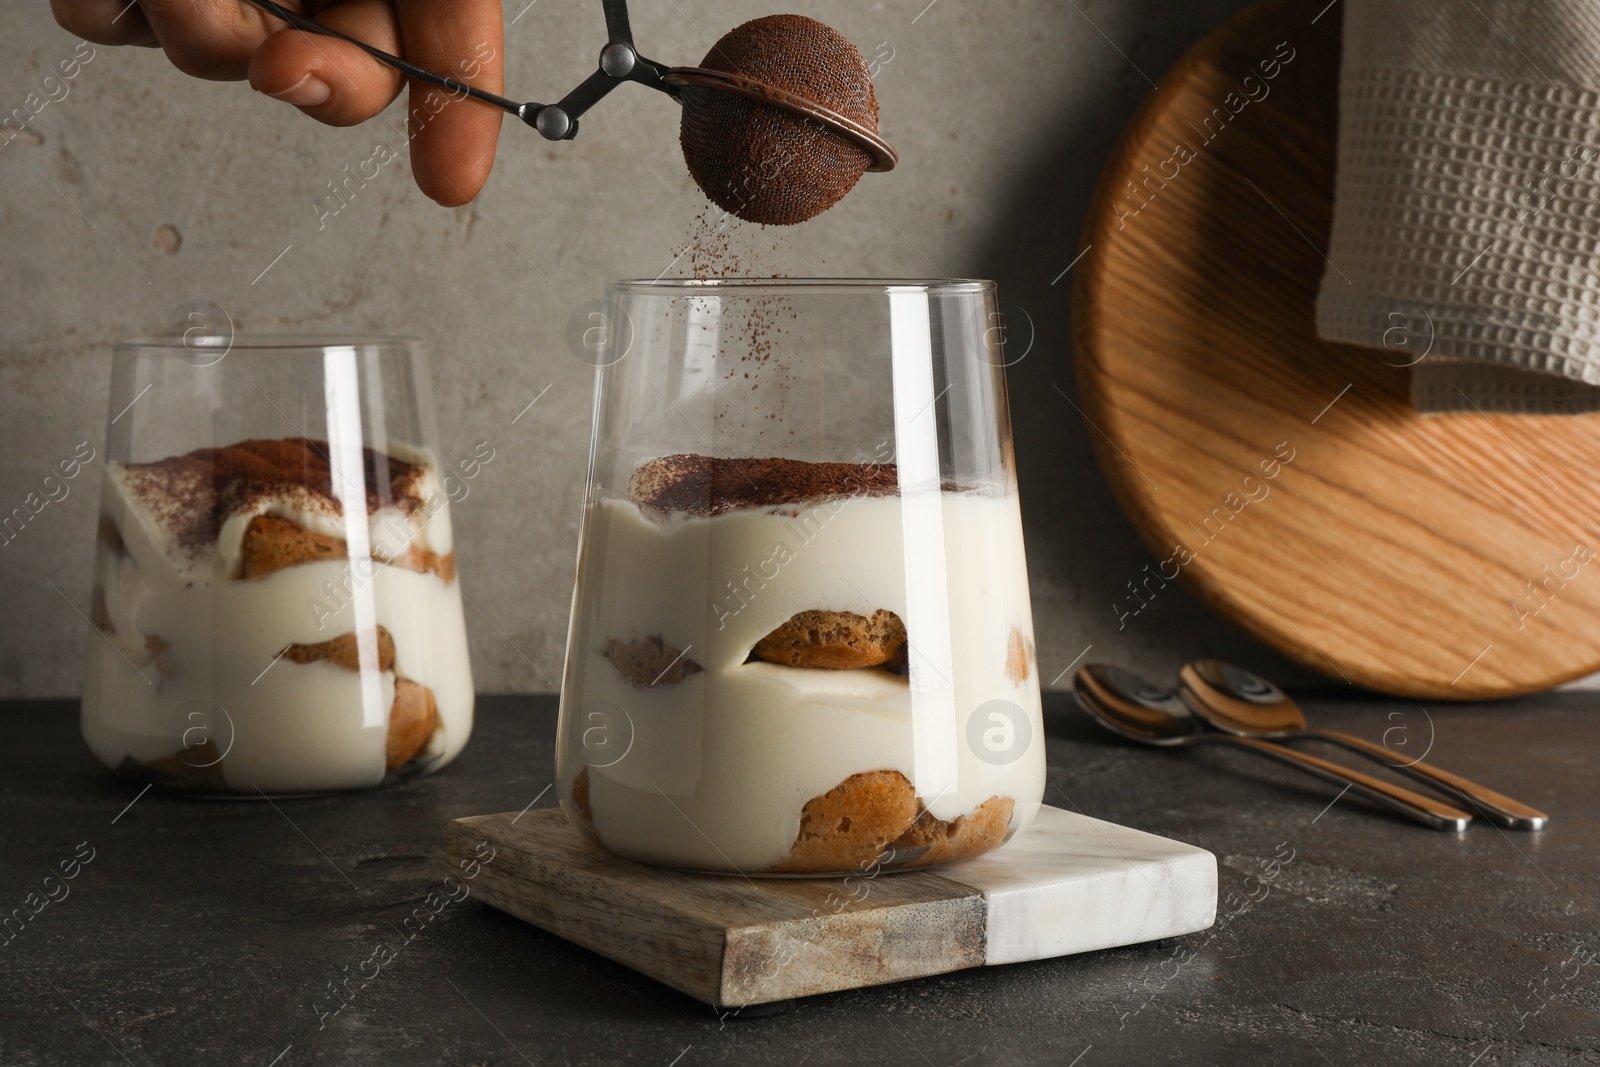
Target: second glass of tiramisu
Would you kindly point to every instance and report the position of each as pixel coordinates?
(274, 608)
(801, 640)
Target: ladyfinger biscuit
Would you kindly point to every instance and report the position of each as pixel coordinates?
(197, 769)
(424, 562)
(1019, 657)
(649, 662)
(344, 651)
(272, 542)
(972, 834)
(111, 537)
(412, 718)
(848, 827)
(834, 640)
(580, 800)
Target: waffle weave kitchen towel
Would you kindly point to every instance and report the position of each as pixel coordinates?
(1466, 223)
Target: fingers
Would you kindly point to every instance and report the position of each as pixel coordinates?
(208, 38)
(104, 21)
(330, 80)
(453, 139)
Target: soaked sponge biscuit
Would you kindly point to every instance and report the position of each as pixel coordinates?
(834, 640)
(649, 662)
(1019, 657)
(196, 769)
(965, 836)
(272, 543)
(344, 651)
(876, 817)
(848, 827)
(412, 718)
(580, 801)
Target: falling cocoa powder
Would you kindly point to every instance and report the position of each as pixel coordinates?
(753, 330)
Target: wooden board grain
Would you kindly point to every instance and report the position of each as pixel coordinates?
(1433, 557)
(1068, 884)
(724, 940)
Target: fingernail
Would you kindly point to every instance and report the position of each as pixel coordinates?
(309, 91)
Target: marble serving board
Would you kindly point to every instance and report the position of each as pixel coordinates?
(1068, 884)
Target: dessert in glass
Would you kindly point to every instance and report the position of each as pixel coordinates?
(801, 639)
(274, 607)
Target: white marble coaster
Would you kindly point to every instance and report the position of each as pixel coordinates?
(1075, 884)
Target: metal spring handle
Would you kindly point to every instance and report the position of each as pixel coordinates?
(619, 62)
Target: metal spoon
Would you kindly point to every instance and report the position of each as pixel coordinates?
(1239, 702)
(1128, 705)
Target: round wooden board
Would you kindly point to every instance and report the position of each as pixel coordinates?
(1440, 557)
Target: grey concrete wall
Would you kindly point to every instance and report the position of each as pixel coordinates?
(143, 189)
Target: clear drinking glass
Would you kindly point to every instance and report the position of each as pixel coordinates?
(274, 607)
(801, 638)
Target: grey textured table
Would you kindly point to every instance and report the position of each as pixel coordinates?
(207, 932)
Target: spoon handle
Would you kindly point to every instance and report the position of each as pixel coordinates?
(1494, 806)
(1423, 809)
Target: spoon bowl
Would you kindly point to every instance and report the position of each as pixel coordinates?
(1129, 705)
(1233, 699)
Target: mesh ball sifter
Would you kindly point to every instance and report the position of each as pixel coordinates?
(779, 120)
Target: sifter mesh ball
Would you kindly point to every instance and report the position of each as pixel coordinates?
(780, 120)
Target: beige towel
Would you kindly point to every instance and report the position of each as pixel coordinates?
(1466, 225)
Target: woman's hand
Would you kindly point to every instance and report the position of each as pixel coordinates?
(452, 146)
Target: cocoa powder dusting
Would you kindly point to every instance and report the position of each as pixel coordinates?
(193, 495)
(720, 247)
(710, 485)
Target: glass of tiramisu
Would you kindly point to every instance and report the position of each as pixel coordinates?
(274, 608)
(801, 639)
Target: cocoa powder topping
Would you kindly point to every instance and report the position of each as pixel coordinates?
(710, 485)
(192, 495)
